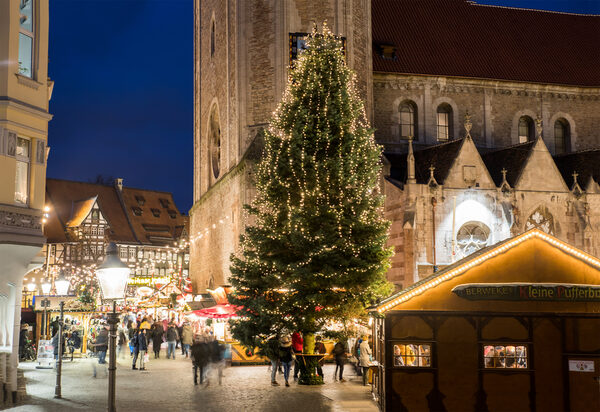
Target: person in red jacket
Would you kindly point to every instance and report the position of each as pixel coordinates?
(297, 343)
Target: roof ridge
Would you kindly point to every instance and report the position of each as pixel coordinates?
(474, 3)
(440, 144)
(531, 142)
(577, 152)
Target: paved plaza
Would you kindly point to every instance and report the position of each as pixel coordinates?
(167, 385)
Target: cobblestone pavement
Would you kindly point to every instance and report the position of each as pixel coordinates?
(167, 385)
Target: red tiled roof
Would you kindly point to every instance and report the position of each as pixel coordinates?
(117, 209)
(462, 39)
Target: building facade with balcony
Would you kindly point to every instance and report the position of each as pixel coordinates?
(25, 91)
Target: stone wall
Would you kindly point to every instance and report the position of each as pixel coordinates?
(495, 107)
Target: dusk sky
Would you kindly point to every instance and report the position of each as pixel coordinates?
(123, 98)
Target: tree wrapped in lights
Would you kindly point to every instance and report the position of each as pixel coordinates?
(316, 251)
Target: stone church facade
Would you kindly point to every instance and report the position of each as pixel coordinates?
(422, 67)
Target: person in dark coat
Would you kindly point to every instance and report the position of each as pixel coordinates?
(286, 356)
(140, 348)
(102, 345)
(217, 351)
(157, 338)
(200, 358)
(23, 338)
(340, 352)
(320, 348)
(172, 337)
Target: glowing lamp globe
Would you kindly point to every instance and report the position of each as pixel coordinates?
(31, 287)
(46, 286)
(112, 274)
(62, 285)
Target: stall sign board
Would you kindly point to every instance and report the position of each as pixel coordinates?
(529, 292)
(51, 302)
(581, 365)
(45, 355)
(149, 280)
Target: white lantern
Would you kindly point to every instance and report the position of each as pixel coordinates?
(31, 287)
(62, 285)
(46, 286)
(112, 274)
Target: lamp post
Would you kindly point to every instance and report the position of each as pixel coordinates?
(112, 275)
(62, 288)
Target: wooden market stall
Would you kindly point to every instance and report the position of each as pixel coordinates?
(515, 326)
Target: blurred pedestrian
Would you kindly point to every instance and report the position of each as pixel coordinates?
(365, 358)
(286, 356)
(216, 358)
(200, 358)
(187, 338)
(140, 349)
(172, 337)
(320, 349)
(297, 344)
(158, 333)
(340, 351)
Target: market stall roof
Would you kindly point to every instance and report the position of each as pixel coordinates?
(217, 311)
(534, 259)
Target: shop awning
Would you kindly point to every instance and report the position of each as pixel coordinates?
(217, 312)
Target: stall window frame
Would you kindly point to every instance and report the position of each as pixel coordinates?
(506, 342)
(412, 341)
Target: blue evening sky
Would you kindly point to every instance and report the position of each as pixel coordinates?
(123, 98)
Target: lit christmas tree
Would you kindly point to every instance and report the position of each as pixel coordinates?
(316, 251)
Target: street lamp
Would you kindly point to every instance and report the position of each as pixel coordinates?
(62, 285)
(112, 275)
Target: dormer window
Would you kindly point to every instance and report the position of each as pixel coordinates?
(140, 200)
(164, 202)
(387, 51)
(155, 212)
(136, 210)
(172, 213)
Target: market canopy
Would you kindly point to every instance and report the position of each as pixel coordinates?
(217, 312)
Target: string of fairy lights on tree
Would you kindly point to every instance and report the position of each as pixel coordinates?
(317, 250)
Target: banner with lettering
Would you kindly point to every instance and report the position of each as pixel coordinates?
(529, 292)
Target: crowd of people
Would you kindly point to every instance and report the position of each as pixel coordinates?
(282, 351)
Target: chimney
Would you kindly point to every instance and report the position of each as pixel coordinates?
(119, 183)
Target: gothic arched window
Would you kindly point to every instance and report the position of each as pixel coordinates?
(561, 136)
(408, 120)
(444, 122)
(525, 129)
(214, 134)
(542, 219)
(212, 39)
(471, 237)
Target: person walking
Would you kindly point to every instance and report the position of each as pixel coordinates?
(172, 337)
(321, 349)
(140, 349)
(297, 344)
(286, 356)
(130, 335)
(158, 333)
(271, 351)
(365, 358)
(200, 357)
(340, 351)
(102, 345)
(180, 339)
(187, 338)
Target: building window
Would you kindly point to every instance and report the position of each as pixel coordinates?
(542, 219)
(471, 237)
(412, 355)
(444, 122)
(155, 212)
(23, 156)
(212, 39)
(26, 38)
(95, 215)
(101, 231)
(94, 231)
(502, 356)
(123, 252)
(215, 142)
(172, 213)
(131, 253)
(164, 202)
(136, 210)
(408, 120)
(561, 136)
(140, 200)
(525, 129)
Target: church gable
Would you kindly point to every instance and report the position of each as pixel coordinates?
(468, 169)
(540, 172)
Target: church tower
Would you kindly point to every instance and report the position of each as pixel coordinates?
(242, 50)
